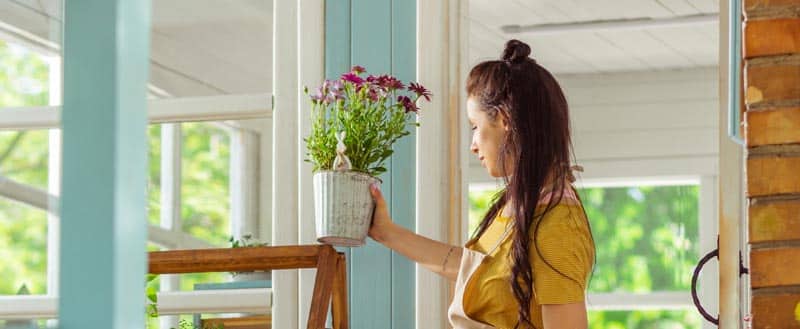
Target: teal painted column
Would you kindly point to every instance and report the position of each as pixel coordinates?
(403, 166)
(381, 36)
(103, 231)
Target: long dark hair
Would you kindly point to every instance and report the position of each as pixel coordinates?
(538, 145)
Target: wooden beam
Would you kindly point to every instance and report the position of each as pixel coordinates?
(772, 85)
(234, 259)
(778, 126)
(772, 221)
(771, 37)
(771, 175)
(776, 311)
(774, 267)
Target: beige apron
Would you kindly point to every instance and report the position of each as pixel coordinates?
(470, 261)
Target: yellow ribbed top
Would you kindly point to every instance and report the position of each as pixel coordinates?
(564, 240)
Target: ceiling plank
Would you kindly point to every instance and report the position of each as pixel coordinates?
(643, 46)
(678, 7)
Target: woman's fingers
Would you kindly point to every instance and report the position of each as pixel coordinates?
(376, 194)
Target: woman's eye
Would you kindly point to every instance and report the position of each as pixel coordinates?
(474, 127)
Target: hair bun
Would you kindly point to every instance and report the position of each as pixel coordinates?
(516, 51)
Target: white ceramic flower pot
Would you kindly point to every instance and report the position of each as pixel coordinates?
(343, 207)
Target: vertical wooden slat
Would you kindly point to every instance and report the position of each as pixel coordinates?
(285, 159)
(337, 61)
(106, 46)
(371, 274)
(403, 163)
(311, 66)
(323, 287)
(341, 320)
(434, 152)
(378, 35)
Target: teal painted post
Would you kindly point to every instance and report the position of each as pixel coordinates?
(371, 272)
(103, 235)
(379, 35)
(403, 169)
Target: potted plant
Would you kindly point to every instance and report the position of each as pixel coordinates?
(355, 121)
(246, 241)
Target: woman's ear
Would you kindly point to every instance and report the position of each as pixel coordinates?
(504, 120)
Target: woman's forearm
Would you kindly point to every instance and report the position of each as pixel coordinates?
(441, 258)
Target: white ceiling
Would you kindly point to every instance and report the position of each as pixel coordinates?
(598, 51)
(208, 47)
(198, 47)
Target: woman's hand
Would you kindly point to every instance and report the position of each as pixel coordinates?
(381, 222)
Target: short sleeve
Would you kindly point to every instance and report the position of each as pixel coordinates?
(564, 240)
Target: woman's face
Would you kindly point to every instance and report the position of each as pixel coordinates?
(488, 135)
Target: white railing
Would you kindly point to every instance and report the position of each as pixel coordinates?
(255, 300)
(209, 108)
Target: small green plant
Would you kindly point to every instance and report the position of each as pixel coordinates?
(372, 112)
(151, 290)
(184, 324)
(247, 240)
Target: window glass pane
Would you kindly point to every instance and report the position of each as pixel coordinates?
(154, 174)
(205, 188)
(23, 248)
(23, 76)
(656, 319)
(23, 159)
(646, 237)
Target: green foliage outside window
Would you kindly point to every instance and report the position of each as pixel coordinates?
(23, 158)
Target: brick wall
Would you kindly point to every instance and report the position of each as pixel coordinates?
(771, 44)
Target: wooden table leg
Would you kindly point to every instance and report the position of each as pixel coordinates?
(323, 288)
(340, 318)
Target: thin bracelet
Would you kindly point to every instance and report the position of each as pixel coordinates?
(447, 257)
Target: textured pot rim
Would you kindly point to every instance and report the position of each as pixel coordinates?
(349, 172)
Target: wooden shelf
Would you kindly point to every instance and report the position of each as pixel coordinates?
(330, 286)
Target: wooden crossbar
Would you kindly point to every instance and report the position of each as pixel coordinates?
(330, 286)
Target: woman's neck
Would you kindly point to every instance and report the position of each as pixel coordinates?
(508, 207)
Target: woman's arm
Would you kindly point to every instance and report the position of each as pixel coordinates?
(565, 316)
(441, 258)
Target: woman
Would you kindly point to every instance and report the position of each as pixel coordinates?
(528, 263)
